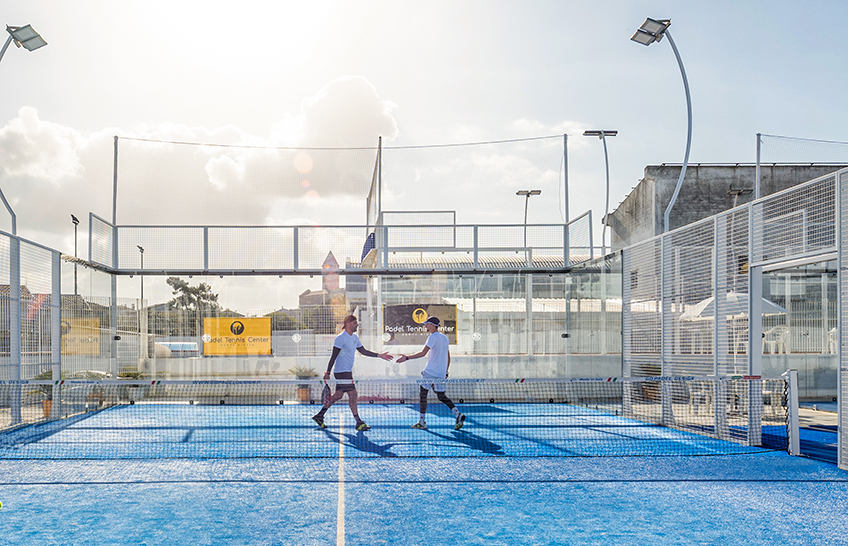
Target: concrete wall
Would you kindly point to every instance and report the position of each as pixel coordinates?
(704, 194)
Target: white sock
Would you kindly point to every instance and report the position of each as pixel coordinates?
(421, 419)
(455, 411)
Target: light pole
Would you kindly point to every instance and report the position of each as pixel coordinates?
(75, 220)
(651, 31)
(527, 194)
(602, 135)
(30, 40)
(141, 251)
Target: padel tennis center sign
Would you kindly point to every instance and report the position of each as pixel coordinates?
(236, 336)
(405, 323)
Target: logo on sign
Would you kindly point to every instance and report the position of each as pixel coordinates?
(237, 328)
(419, 315)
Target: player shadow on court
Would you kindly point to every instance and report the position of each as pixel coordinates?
(470, 439)
(361, 442)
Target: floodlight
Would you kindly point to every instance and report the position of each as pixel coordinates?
(651, 31)
(643, 37)
(27, 37)
(652, 26)
(600, 134)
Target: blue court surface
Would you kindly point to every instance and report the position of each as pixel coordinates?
(339, 486)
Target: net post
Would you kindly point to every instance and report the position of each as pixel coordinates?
(720, 409)
(755, 412)
(792, 426)
(113, 326)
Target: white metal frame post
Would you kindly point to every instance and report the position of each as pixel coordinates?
(758, 173)
(565, 174)
(842, 306)
(56, 333)
(755, 337)
(15, 325)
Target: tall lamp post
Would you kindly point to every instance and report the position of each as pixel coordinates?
(602, 135)
(141, 251)
(75, 221)
(30, 40)
(651, 31)
(527, 194)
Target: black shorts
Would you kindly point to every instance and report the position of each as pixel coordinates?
(346, 386)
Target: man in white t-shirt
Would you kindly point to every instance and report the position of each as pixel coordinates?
(438, 362)
(345, 347)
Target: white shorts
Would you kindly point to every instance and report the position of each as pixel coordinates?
(437, 383)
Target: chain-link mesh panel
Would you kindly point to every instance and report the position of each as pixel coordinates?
(641, 306)
(164, 247)
(7, 307)
(251, 248)
(580, 239)
(36, 309)
(690, 289)
(795, 222)
(101, 242)
(732, 288)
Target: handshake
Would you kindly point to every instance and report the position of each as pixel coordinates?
(387, 356)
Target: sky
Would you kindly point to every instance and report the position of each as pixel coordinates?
(343, 73)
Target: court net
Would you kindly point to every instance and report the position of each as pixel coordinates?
(122, 419)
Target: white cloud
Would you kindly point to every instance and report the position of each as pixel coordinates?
(32, 148)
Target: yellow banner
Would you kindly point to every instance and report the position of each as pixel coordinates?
(236, 336)
(80, 336)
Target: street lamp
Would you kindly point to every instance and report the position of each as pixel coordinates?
(651, 31)
(527, 194)
(602, 135)
(75, 220)
(30, 40)
(141, 251)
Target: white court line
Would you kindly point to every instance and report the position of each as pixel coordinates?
(340, 518)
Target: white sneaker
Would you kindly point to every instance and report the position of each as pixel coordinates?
(420, 426)
(460, 420)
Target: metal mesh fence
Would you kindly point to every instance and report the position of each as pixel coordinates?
(785, 149)
(842, 348)
(689, 282)
(101, 241)
(797, 222)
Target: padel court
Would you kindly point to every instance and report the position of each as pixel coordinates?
(757, 498)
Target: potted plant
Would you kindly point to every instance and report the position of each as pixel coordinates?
(303, 390)
(45, 391)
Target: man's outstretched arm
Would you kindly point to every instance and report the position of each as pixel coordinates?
(372, 354)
